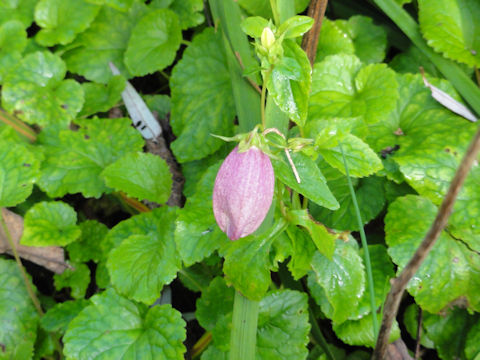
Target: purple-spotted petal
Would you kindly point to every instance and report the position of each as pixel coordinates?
(243, 192)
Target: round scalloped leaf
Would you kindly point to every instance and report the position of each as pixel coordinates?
(333, 40)
(57, 318)
(342, 87)
(282, 320)
(21, 10)
(76, 278)
(446, 273)
(361, 159)
(154, 42)
(369, 40)
(360, 332)
(116, 328)
(338, 284)
(17, 314)
(51, 223)
(37, 92)
(101, 97)
(370, 195)
(87, 247)
(75, 159)
(57, 24)
(104, 41)
(196, 233)
(13, 39)
(18, 172)
(140, 175)
(202, 100)
(452, 28)
(143, 263)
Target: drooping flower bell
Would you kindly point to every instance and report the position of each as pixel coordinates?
(243, 192)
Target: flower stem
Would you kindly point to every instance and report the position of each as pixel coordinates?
(244, 328)
(28, 285)
(366, 254)
(263, 96)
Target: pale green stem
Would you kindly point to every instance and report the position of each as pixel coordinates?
(276, 16)
(244, 328)
(366, 253)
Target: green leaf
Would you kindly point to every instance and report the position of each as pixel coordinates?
(57, 318)
(154, 42)
(100, 97)
(369, 40)
(202, 100)
(140, 175)
(87, 247)
(361, 159)
(196, 234)
(57, 24)
(303, 250)
(253, 26)
(36, 90)
(18, 172)
(160, 103)
(75, 159)
(312, 185)
(473, 339)
(338, 284)
(333, 40)
(370, 197)
(76, 278)
(103, 42)
(120, 5)
(247, 262)
(13, 40)
(98, 332)
(21, 10)
(446, 273)
(295, 26)
(143, 263)
(289, 82)
(190, 12)
(449, 332)
(17, 314)
(409, 61)
(283, 321)
(323, 240)
(458, 37)
(342, 87)
(360, 332)
(214, 310)
(50, 224)
(382, 272)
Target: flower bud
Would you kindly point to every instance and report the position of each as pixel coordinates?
(267, 38)
(243, 192)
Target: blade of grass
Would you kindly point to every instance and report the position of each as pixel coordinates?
(464, 85)
(366, 253)
(239, 55)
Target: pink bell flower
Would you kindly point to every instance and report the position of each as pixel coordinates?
(243, 192)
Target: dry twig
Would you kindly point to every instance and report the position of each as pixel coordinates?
(316, 10)
(400, 283)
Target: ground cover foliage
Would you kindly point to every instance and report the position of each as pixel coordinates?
(146, 280)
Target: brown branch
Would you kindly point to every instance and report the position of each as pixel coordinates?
(419, 333)
(400, 283)
(316, 10)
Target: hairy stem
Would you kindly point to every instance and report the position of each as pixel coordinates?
(244, 328)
